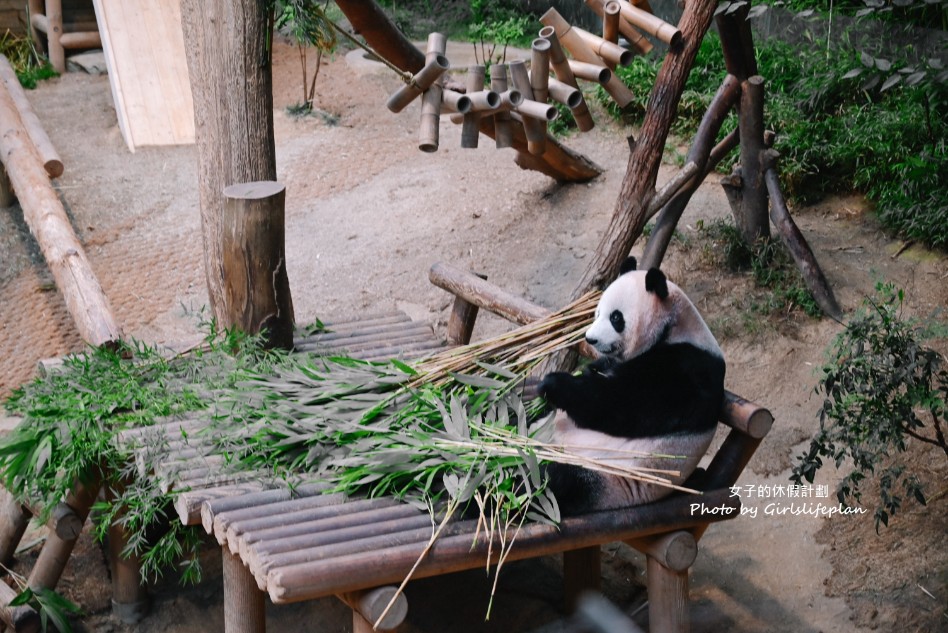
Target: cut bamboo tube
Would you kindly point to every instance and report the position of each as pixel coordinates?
(503, 135)
(436, 66)
(370, 604)
(47, 219)
(650, 24)
(564, 93)
(540, 73)
(454, 101)
(21, 619)
(613, 54)
(562, 71)
(44, 147)
(610, 21)
(635, 38)
(484, 101)
(542, 112)
(509, 100)
(575, 44)
(591, 72)
(429, 130)
(532, 128)
(470, 125)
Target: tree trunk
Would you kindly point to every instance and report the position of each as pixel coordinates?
(231, 85)
(638, 186)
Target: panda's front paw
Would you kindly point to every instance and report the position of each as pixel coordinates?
(554, 388)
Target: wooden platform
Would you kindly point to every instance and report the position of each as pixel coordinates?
(148, 72)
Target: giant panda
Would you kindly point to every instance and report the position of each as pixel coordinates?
(657, 388)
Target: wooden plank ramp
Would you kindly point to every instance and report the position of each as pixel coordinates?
(148, 71)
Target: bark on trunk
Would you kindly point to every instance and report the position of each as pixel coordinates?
(231, 84)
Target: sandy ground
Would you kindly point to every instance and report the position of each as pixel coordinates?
(367, 215)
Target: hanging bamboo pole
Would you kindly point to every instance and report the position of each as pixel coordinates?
(432, 71)
(533, 129)
(591, 72)
(635, 38)
(470, 127)
(564, 93)
(455, 101)
(429, 130)
(574, 43)
(650, 24)
(561, 69)
(498, 83)
(44, 147)
(610, 52)
(47, 219)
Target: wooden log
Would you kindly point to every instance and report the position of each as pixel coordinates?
(561, 69)
(370, 604)
(737, 42)
(747, 417)
(582, 572)
(81, 39)
(455, 553)
(461, 322)
(228, 529)
(212, 507)
(635, 38)
(649, 23)
(470, 127)
(429, 130)
(638, 185)
(793, 239)
(672, 187)
(47, 219)
(55, 554)
(21, 619)
(14, 519)
(54, 31)
(676, 551)
(244, 604)
(256, 293)
(129, 595)
(503, 137)
(540, 75)
(533, 129)
(668, 609)
(752, 221)
(611, 53)
(44, 147)
(421, 81)
(484, 294)
(574, 43)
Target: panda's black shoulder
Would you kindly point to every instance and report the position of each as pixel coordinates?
(674, 362)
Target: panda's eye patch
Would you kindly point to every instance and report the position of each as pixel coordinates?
(617, 321)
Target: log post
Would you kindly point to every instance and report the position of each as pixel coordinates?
(22, 619)
(369, 605)
(638, 185)
(129, 595)
(256, 290)
(244, 603)
(461, 321)
(55, 554)
(752, 220)
(582, 571)
(232, 88)
(47, 219)
(667, 599)
(44, 147)
(795, 242)
(14, 519)
(54, 16)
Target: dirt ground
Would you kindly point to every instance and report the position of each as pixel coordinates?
(367, 214)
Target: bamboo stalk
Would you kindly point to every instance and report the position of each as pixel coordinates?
(564, 93)
(629, 32)
(470, 127)
(562, 71)
(433, 70)
(540, 76)
(454, 101)
(610, 21)
(650, 24)
(591, 72)
(503, 136)
(533, 129)
(610, 52)
(429, 130)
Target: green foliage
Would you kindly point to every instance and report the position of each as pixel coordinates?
(881, 388)
(772, 268)
(309, 25)
(51, 607)
(837, 129)
(488, 35)
(29, 65)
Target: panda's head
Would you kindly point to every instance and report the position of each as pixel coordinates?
(641, 309)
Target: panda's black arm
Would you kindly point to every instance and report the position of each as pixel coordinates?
(585, 397)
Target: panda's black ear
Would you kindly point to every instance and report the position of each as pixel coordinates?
(627, 265)
(655, 282)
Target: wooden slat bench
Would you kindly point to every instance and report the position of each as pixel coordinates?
(301, 544)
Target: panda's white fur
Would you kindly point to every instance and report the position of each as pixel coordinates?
(656, 390)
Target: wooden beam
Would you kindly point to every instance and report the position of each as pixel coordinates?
(481, 293)
(44, 147)
(47, 219)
